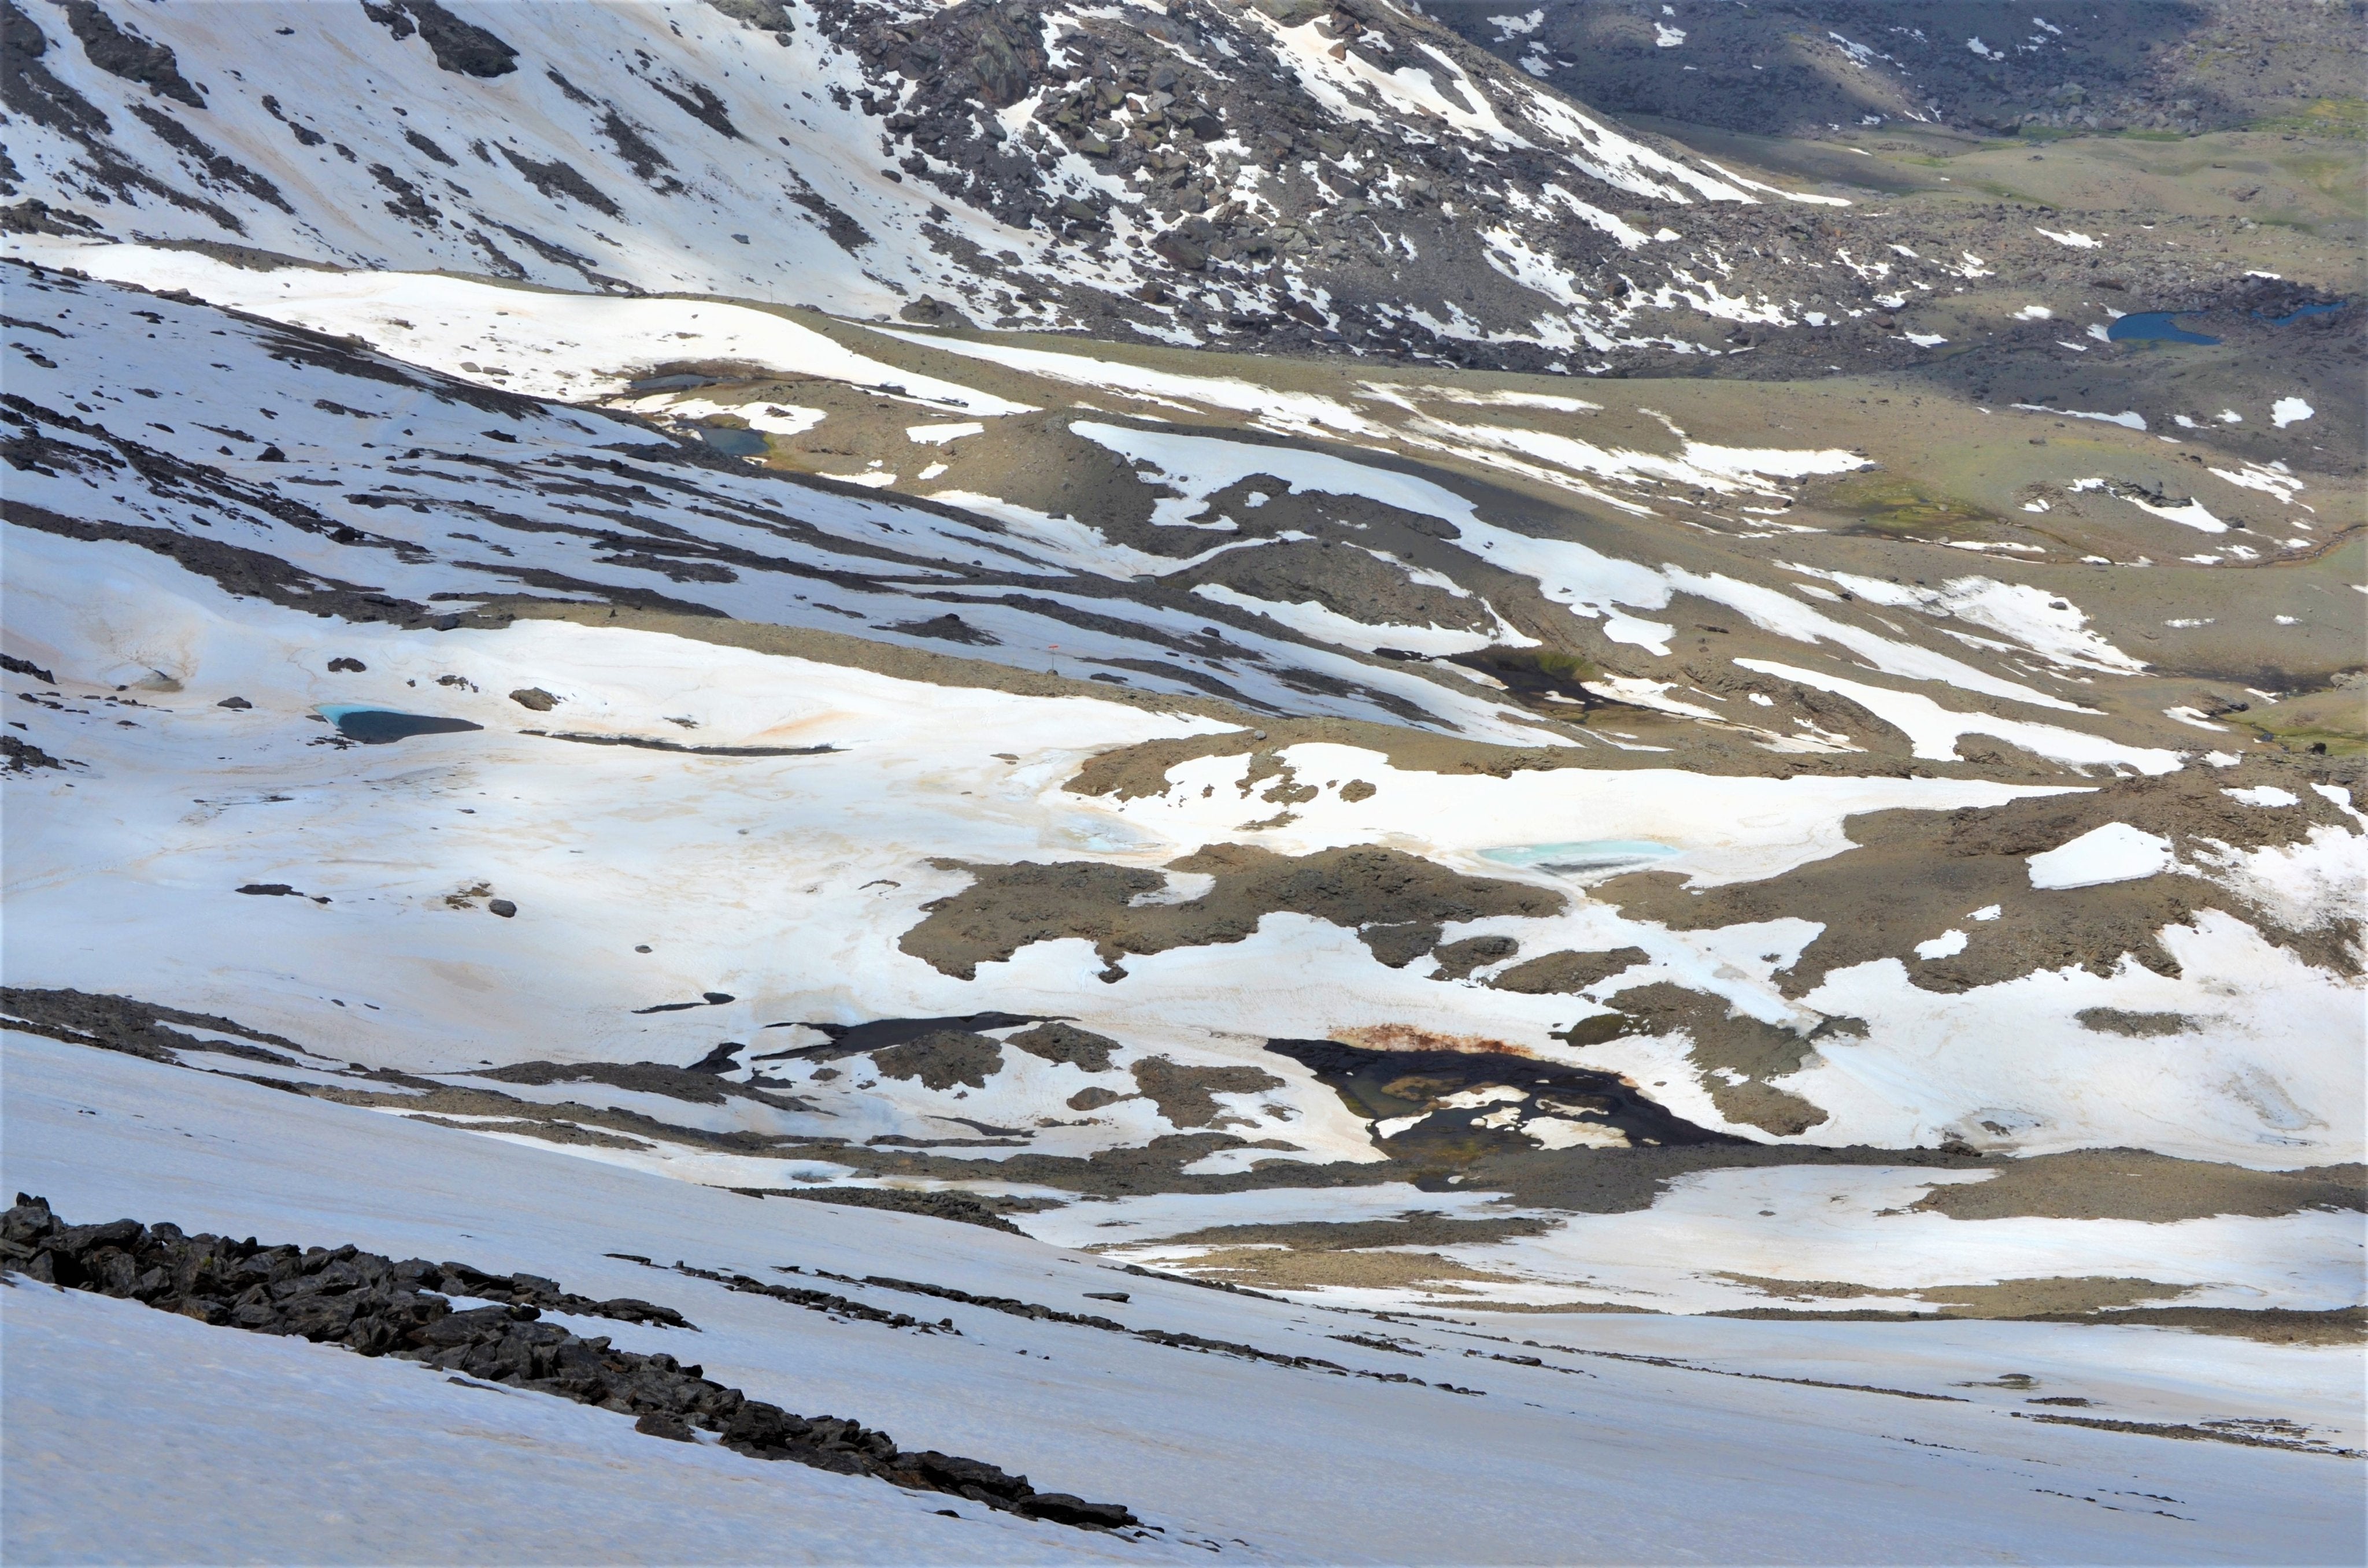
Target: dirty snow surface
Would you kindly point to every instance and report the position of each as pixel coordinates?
(860, 934)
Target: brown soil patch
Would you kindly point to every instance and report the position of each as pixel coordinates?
(1057, 1042)
(1567, 972)
(1281, 1269)
(2024, 1297)
(1723, 1041)
(1622, 1181)
(1915, 874)
(1457, 960)
(2341, 1326)
(1416, 1228)
(1009, 907)
(1183, 1094)
(2007, 1299)
(548, 1131)
(2132, 1184)
(2137, 1026)
(1342, 578)
(941, 1059)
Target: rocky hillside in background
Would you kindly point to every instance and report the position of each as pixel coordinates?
(1290, 177)
(1802, 67)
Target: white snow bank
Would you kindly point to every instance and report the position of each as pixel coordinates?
(1307, 412)
(2113, 853)
(535, 342)
(1947, 945)
(1211, 1447)
(2127, 418)
(1934, 730)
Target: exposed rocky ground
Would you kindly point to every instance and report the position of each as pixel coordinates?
(380, 1306)
(1290, 177)
(1801, 68)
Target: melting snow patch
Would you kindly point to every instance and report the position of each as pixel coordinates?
(1667, 36)
(1947, 945)
(2264, 795)
(938, 435)
(539, 342)
(2113, 853)
(2053, 628)
(1924, 339)
(2193, 514)
(1986, 911)
(2126, 418)
(2271, 479)
(1773, 190)
(2077, 240)
(2035, 313)
(1933, 731)
(2289, 411)
(1978, 47)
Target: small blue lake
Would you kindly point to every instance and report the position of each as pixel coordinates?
(380, 726)
(1582, 856)
(2155, 326)
(2298, 312)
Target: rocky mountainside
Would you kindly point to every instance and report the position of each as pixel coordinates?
(1806, 67)
(1358, 179)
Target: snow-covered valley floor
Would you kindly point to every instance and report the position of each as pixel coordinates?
(269, 1449)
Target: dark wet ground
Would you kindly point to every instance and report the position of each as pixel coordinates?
(1383, 1084)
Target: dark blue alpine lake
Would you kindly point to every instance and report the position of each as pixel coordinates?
(2155, 326)
(379, 726)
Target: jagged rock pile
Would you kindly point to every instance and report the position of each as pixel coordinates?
(381, 1307)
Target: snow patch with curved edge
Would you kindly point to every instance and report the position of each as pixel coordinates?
(2113, 853)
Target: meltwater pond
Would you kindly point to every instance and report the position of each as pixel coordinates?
(2155, 326)
(732, 441)
(1582, 857)
(378, 726)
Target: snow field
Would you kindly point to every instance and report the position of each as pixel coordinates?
(1631, 1458)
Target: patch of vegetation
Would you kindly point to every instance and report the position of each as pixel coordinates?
(1887, 502)
(2318, 738)
(2340, 119)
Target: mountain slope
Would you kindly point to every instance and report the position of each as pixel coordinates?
(1360, 179)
